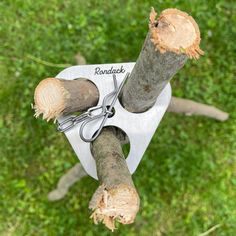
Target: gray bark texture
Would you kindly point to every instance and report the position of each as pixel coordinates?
(110, 161)
(116, 198)
(151, 73)
(54, 97)
(82, 92)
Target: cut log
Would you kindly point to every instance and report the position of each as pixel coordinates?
(54, 97)
(116, 198)
(172, 38)
(73, 175)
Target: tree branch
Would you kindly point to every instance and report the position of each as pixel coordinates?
(116, 198)
(73, 175)
(189, 107)
(54, 97)
(83, 102)
(172, 38)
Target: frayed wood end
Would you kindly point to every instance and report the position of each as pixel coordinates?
(49, 98)
(175, 31)
(119, 204)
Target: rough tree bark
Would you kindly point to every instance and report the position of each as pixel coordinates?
(116, 198)
(171, 39)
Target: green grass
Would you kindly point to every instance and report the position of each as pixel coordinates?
(187, 178)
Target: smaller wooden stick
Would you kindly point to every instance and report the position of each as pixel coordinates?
(74, 174)
(44, 89)
(172, 39)
(189, 107)
(116, 199)
(54, 97)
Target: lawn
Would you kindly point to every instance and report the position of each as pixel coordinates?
(187, 177)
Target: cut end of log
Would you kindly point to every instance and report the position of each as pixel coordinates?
(119, 204)
(175, 31)
(49, 98)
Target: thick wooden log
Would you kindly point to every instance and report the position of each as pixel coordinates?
(172, 38)
(54, 97)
